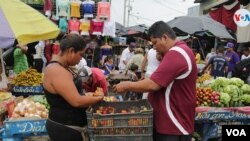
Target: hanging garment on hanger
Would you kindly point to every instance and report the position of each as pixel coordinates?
(62, 8)
(96, 27)
(88, 8)
(103, 11)
(75, 9)
(74, 26)
(48, 6)
(63, 24)
(84, 27)
(109, 29)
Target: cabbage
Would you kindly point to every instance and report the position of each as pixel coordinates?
(225, 99)
(245, 89)
(232, 90)
(219, 83)
(236, 81)
(245, 99)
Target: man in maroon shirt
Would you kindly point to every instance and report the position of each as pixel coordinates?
(171, 86)
(93, 78)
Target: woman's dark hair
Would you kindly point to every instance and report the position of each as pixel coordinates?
(74, 41)
(107, 58)
(159, 28)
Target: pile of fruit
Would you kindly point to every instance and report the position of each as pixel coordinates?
(28, 78)
(29, 108)
(111, 110)
(224, 92)
(5, 95)
(207, 97)
(110, 99)
(204, 77)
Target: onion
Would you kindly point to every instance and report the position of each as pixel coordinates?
(44, 114)
(31, 110)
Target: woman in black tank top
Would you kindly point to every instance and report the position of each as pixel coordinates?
(67, 115)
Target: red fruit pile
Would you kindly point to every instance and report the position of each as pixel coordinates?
(207, 97)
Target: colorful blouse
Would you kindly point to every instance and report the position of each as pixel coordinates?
(75, 9)
(84, 27)
(103, 11)
(96, 27)
(62, 8)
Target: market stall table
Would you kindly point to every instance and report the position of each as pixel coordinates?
(209, 120)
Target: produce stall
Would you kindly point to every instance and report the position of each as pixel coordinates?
(26, 117)
(27, 83)
(209, 120)
(25, 106)
(220, 101)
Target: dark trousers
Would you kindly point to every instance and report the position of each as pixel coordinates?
(59, 132)
(162, 137)
(38, 65)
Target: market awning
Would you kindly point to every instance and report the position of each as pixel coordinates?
(20, 21)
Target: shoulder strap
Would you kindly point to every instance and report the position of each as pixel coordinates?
(51, 62)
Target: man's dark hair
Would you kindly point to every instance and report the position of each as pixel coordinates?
(246, 49)
(74, 41)
(220, 50)
(159, 28)
(133, 67)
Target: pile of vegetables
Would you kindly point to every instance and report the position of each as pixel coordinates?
(233, 91)
(29, 108)
(40, 99)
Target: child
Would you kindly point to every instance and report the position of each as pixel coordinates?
(133, 70)
(133, 77)
(108, 65)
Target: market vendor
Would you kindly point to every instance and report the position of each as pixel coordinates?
(172, 86)
(67, 118)
(92, 78)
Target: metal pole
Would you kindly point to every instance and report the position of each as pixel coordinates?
(129, 9)
(124, 13)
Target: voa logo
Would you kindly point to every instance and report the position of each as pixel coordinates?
(236, 132)
(242, 17)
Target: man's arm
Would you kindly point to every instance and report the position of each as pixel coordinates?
(138, 86)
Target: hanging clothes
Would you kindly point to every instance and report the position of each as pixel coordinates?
(96, 27)
(75, 9)
(62, 8)
(224, 14)
(48, 6)
(228, 14)
(63, 24)
(39, 57)
(84, 27)
(109, 29)
(48, 50)
(103, 11)
(74, 26)
(88, 7)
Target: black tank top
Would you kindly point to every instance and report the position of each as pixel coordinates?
(62, 112)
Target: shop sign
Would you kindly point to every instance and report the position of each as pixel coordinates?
(25, 127)
(221, 116)
(28, 89)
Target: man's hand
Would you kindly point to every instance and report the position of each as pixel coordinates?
(89, 94)
(121, 87)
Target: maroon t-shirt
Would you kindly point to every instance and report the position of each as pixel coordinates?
(174, 110)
